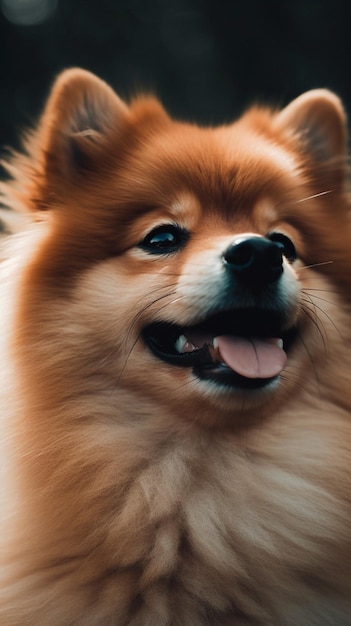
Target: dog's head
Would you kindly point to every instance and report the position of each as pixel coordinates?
(196, 266)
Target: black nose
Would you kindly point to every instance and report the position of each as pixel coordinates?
(255, 260)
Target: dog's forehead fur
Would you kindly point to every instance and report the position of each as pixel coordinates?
(220, 165)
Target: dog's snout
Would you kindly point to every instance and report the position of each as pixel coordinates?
(255, 259)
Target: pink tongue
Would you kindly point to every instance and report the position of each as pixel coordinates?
(253, 358)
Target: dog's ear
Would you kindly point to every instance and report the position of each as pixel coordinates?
(318, 122)
(81, 116)
(82, 137)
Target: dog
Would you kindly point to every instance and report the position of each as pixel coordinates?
(175, 369)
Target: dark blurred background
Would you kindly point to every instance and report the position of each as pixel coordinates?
(206, 59)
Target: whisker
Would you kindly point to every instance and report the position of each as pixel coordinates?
(316, 306)
(288, 376)
(313, 317)
(315, 195)
(309, 354)
(306, 267)
(129, 350)
(321, 299)
(305, 199)
(145, 308)
(321, 290)
(127, 359)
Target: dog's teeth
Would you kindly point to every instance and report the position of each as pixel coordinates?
(189, 347)
(214, 350)
(277, 342)
(180, 343)
(184, 345)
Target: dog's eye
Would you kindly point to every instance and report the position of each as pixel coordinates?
(287, 246)
(164, 239)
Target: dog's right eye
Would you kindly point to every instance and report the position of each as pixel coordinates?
(164, 239)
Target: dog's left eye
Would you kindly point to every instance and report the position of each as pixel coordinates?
(164, 239)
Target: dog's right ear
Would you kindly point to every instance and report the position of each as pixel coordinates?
(81, 116)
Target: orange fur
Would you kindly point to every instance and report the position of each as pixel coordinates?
(133, 493)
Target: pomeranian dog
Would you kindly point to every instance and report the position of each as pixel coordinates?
(175, 367)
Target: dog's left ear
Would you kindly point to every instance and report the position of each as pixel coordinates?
(317, 120)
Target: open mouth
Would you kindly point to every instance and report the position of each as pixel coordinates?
(244, 348)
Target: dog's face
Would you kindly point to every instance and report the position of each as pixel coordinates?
(198, 266)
